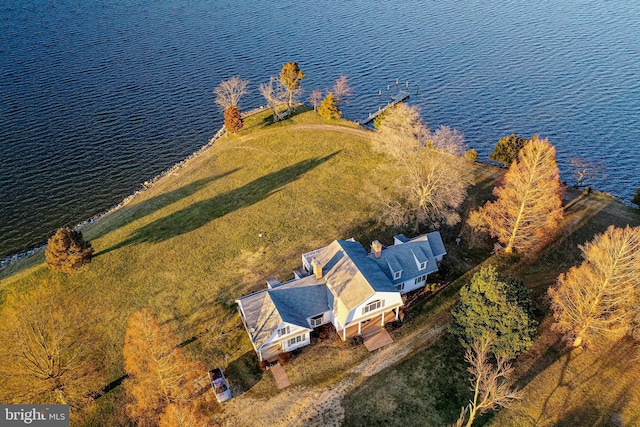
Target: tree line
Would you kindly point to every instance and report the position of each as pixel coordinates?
(280, 92)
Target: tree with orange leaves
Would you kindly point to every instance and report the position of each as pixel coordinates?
(159, 373)
(529, 204)
(600, 297)
(182, 416)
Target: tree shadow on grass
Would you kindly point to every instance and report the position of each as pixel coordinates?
(132, 213)
(299, 109)
(203, 212)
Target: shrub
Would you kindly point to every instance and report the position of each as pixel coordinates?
(329, 109)
(67, 250)
(471, 155)
(233, 119)
(284, 358)
(356, 340)
(636, 198)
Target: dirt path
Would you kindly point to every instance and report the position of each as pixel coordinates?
(313, 406)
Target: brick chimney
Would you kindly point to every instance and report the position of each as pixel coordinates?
(317, 268)
(376, 248)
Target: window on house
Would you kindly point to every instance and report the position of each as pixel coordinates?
(284, 331)
(374, 305)
(400, 286)
(423, 265)
(397, 275)
(296, 340)
(317, 320)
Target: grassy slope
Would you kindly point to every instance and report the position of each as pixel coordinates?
(189, 246)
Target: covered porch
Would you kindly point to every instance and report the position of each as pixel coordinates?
(370, 326)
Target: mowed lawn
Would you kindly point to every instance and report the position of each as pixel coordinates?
(211, 232)
(246, 209)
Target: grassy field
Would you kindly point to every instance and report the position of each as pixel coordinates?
(245, 210)
(190, 245)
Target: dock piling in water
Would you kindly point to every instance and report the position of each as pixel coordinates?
(401, 96)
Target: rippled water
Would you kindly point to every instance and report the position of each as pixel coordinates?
(98, 96)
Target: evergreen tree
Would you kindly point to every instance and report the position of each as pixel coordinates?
(491, 306)
(507, 149)
(636, 198)
(233, 121)
(329, 109)
(67, 250)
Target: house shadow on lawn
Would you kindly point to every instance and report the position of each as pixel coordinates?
(203, 212)
(243, 373)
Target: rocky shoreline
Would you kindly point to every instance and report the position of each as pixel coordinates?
(12, 259)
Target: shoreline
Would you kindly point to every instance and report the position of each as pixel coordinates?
(9, 260)
(146, 185)
(38, 247)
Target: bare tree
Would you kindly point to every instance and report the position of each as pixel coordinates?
(529, 204)
(342, 90)
(600, 297)
(275, 95)
(315, 98)
(448, 140)
(489, 383)
(290, 77)
(402, 131)
(229, 92)
(45, 351)
(432, 185)
(586, 171)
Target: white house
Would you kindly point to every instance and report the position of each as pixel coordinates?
(340, 284)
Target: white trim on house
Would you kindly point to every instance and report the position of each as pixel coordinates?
(343, 291)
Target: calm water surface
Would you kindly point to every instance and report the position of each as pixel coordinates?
(96, 97)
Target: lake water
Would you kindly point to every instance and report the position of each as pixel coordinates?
(99, 96)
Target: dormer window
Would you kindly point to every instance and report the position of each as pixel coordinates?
(423, 265)
(284, 331)
(373, 305)
(397, 275)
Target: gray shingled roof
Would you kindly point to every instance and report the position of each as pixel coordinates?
(291, 302)
(423, 248)
(350, 276)
(261, 316)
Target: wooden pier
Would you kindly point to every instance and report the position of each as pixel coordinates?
(396, 99)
